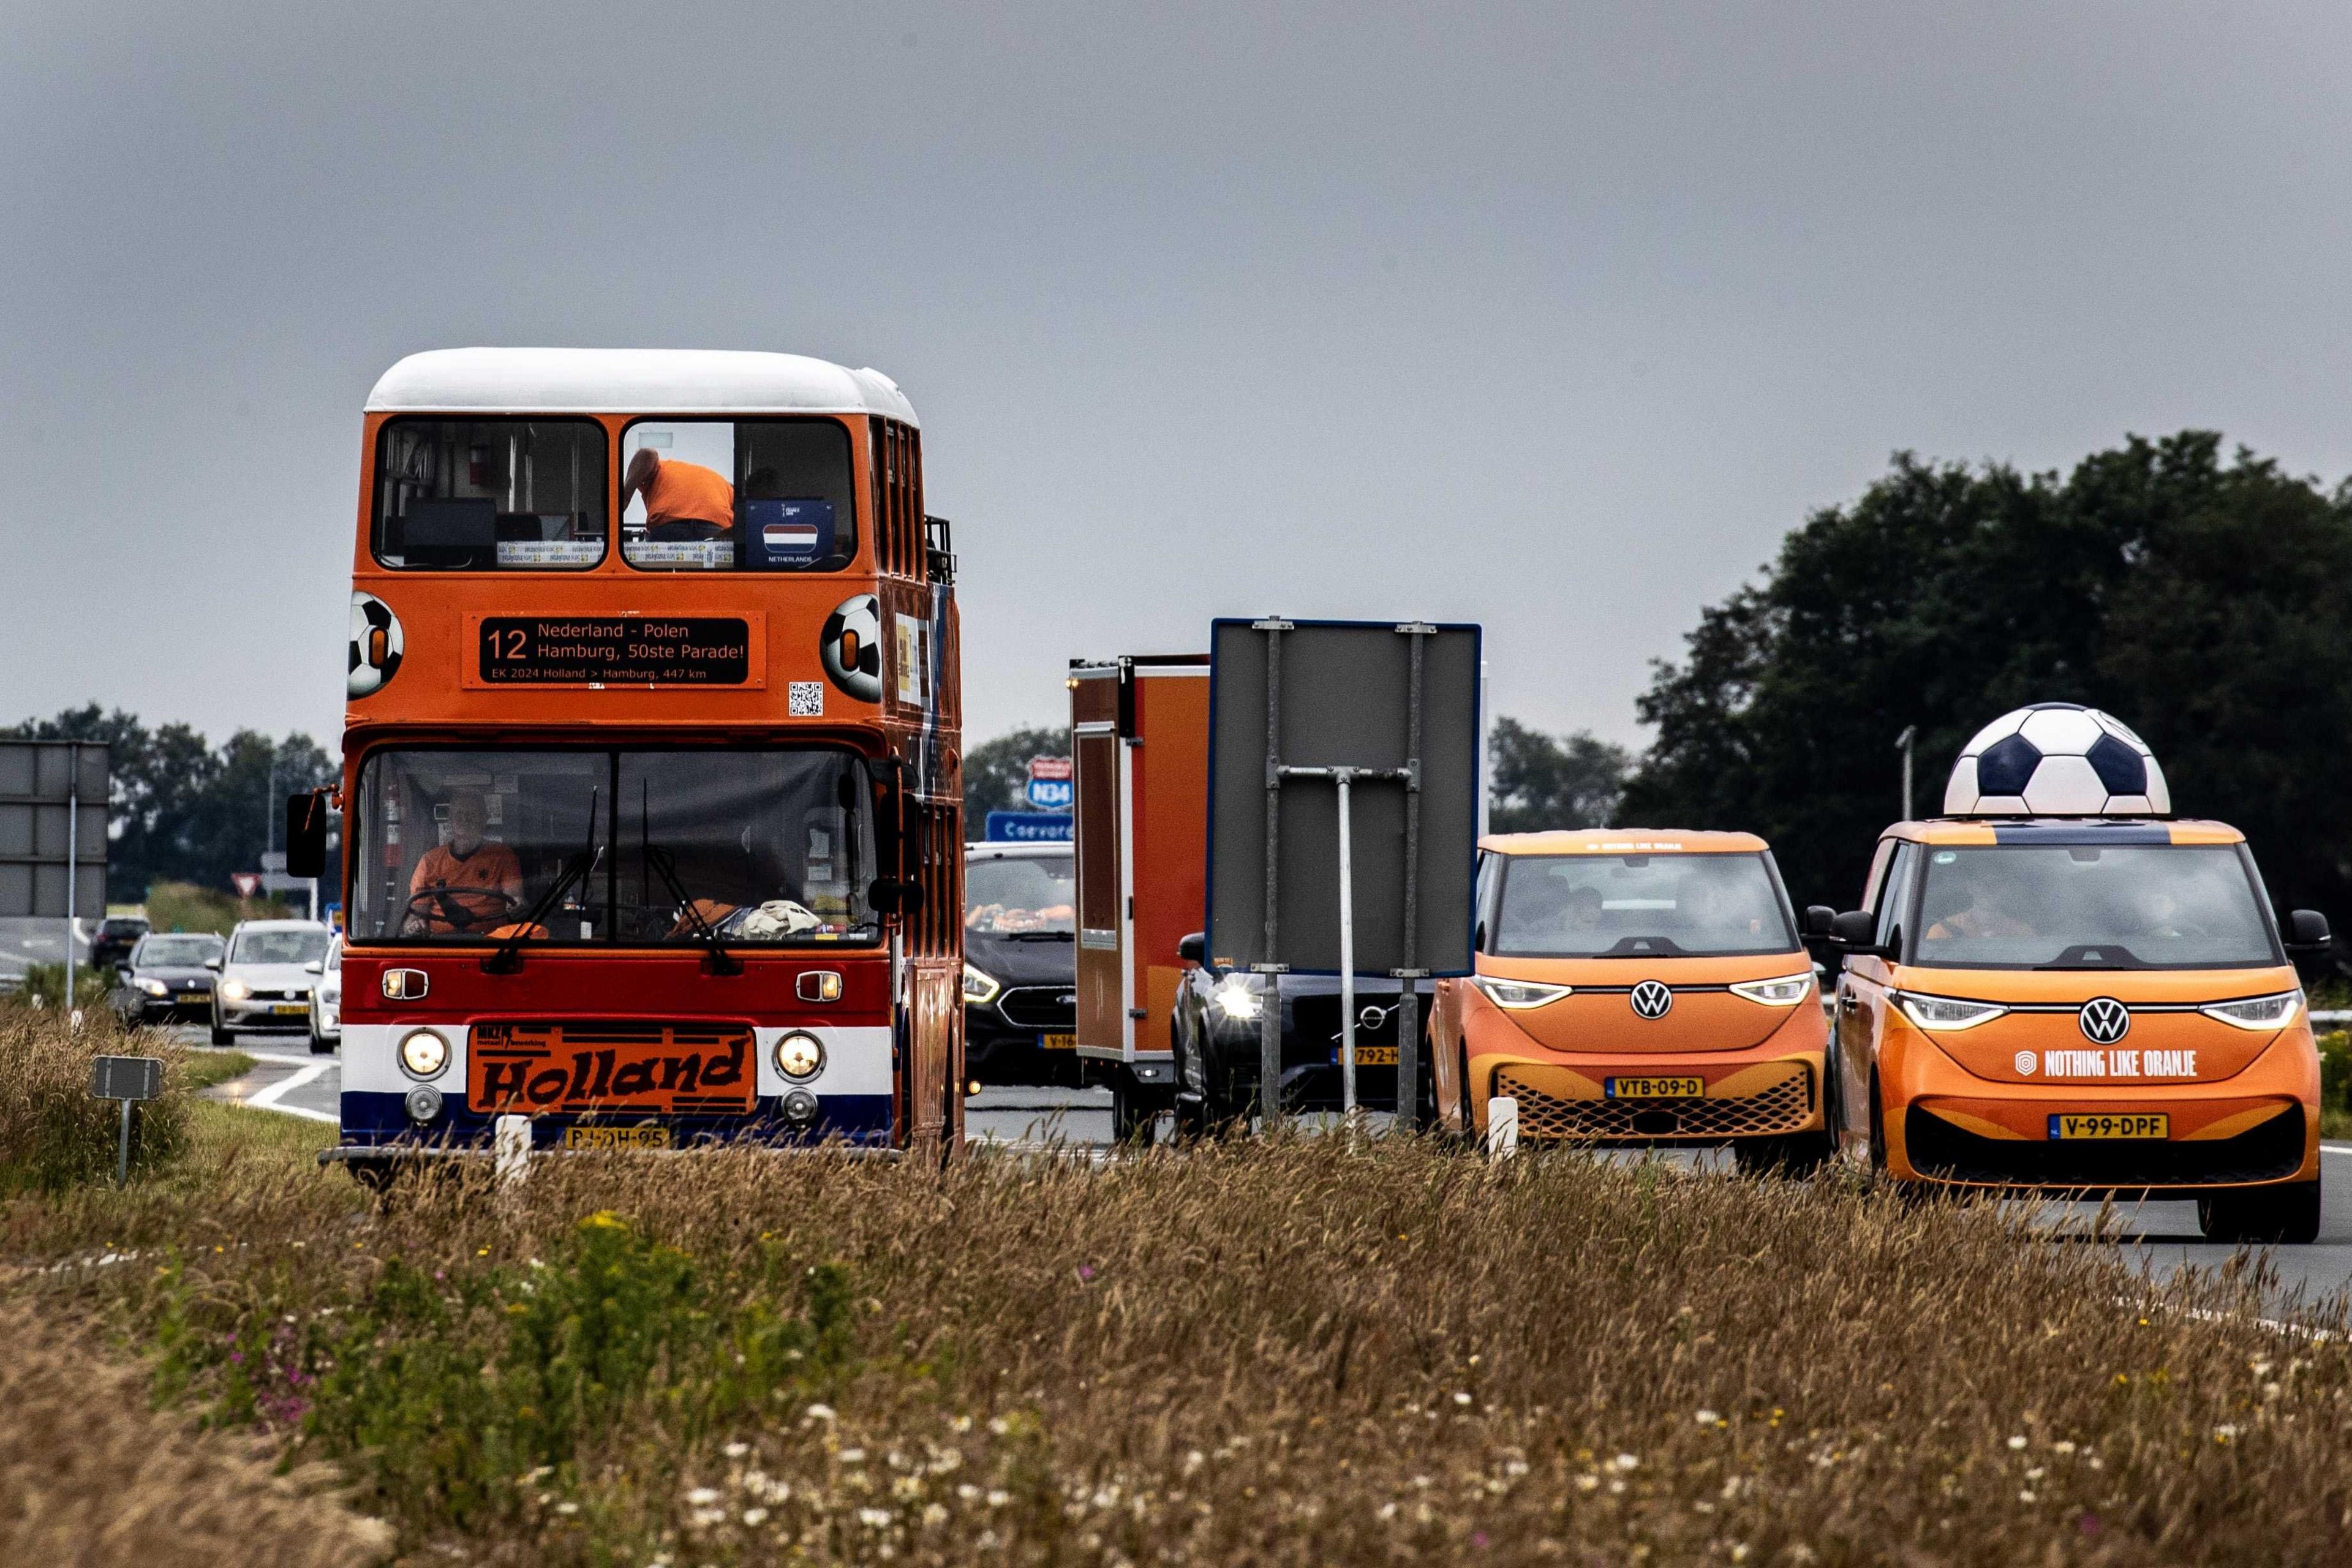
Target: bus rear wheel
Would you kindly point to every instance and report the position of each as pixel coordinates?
(2287, 1215)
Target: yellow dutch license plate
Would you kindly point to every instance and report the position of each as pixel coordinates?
(1654, 1087)
(1057, 1043)
(1376, 1056)
(2137, 1124)
(291, 1009)
(184, 997)
(616, 1138)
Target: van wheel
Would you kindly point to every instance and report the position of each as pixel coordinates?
(2262, 1216)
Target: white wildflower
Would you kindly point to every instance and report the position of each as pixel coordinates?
(853, 1455)
(702, 1497)
(2017, 1442)
(934, 1514)
(755, 1517)
(998, 1498)
(874, 1517)
(820, 1413)
(969, 1492)
(1461, 1398)
(567, 1509)
(736, 1450)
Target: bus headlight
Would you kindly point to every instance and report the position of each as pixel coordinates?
(423, 1104)
(979, 989)
(800, 1056)
(423, 1054)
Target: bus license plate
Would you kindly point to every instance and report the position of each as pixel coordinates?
(2141, 1124)
(616, 1138)
(1370, 1056)
(1654, 1087)
(1057, 1042)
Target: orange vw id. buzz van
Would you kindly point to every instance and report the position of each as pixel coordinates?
(1643, 988)
(2088, 1005)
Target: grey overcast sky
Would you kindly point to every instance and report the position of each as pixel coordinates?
(1553, 317)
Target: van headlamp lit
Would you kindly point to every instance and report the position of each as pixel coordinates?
(1517, 996)
(1235, 998)
(2258, 1012)
(1785, 992)
(979, 989)
(800, 1056)
(423, 1053)
(1943, 1014)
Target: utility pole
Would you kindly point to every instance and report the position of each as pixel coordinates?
(1902, 743)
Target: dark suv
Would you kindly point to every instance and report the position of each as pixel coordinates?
(111, 942)
(166, 979)
(1217, 1042)
(1021, 963)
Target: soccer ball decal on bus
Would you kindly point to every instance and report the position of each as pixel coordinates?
(2057, 759)
(373, 656)
(851, 648)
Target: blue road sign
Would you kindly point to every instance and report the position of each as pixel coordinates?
(1050, 795)
(1029, 828)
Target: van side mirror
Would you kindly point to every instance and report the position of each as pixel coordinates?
(1821, 922)
(2307, 932)
(1854, 930)
(306, 834)
(1478, 937)
(1193, 948)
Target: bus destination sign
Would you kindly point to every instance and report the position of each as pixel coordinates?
(613, 650)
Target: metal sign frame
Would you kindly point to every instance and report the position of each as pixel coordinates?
(54, 796)
(1405, 960)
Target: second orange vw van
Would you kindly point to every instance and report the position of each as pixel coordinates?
(2082, 1007)
(1641, 987)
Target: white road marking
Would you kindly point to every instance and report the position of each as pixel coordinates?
(312, 1068)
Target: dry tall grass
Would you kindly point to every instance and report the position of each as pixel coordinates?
(1297, 1352)
(89, 1474)
(52, 1133)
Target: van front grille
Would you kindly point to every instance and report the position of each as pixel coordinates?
(1783, 1105)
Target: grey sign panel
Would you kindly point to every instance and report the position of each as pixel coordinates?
(1344, 700)
(40, 781)
(126, 1078)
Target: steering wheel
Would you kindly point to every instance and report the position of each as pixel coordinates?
(441, 902)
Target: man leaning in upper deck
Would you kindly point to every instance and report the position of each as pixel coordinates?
(684, 501)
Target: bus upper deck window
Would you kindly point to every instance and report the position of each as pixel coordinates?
(481, 495)
(752, 495)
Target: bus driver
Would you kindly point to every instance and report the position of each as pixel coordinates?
(684, 501)
(439, 899)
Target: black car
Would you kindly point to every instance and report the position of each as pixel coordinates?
(1021, 963)
(165, 980)
(111, 942)
(1217, 1044)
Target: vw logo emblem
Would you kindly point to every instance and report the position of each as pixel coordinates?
(2105, 1020)
(1652, 1000)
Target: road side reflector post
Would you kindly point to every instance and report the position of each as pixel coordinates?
(128, 1079)
(1501, 1127)
(513, 1146)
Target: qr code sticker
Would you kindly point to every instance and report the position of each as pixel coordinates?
(806, 700)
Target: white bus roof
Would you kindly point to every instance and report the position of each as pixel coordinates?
(631, 381)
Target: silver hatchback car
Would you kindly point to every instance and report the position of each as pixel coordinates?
(264, 980)
(327, 999)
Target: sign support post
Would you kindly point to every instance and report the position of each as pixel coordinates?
(126, 1079)
(73, 875)
(1269, 1001)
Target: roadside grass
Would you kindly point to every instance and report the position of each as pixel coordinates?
(53, 1133)
(206, 1068)
(1294, 1352)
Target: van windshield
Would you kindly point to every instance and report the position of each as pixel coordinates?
(1014, 894)
(2165, 906)
(1639, 906)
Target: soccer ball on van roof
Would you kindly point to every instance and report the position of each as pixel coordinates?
(2057, 759)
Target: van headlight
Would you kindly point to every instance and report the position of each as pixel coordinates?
(1785, 992)
(1943, 1015)
(979, 989)
(2258, 1012)
(1235, 998)
(423, 1054)
(1517, 996)
(800, 1056)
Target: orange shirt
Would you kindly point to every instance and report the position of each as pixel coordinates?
(491, 866)
(689, 493)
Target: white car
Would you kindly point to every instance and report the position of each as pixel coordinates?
(265, 976)
(327, 999)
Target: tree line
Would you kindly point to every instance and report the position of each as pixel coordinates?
(184, 810)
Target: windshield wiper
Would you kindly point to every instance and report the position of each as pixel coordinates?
(721, 962)
(507, 958)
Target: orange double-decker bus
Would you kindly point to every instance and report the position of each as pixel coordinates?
(652, 813)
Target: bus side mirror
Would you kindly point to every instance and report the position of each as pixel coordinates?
(306, 834)
(894, 895)
(1193, 948)
(2308, 933)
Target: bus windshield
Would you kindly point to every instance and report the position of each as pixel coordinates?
(1639, 906)
(2092, 906)
(764, 845)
